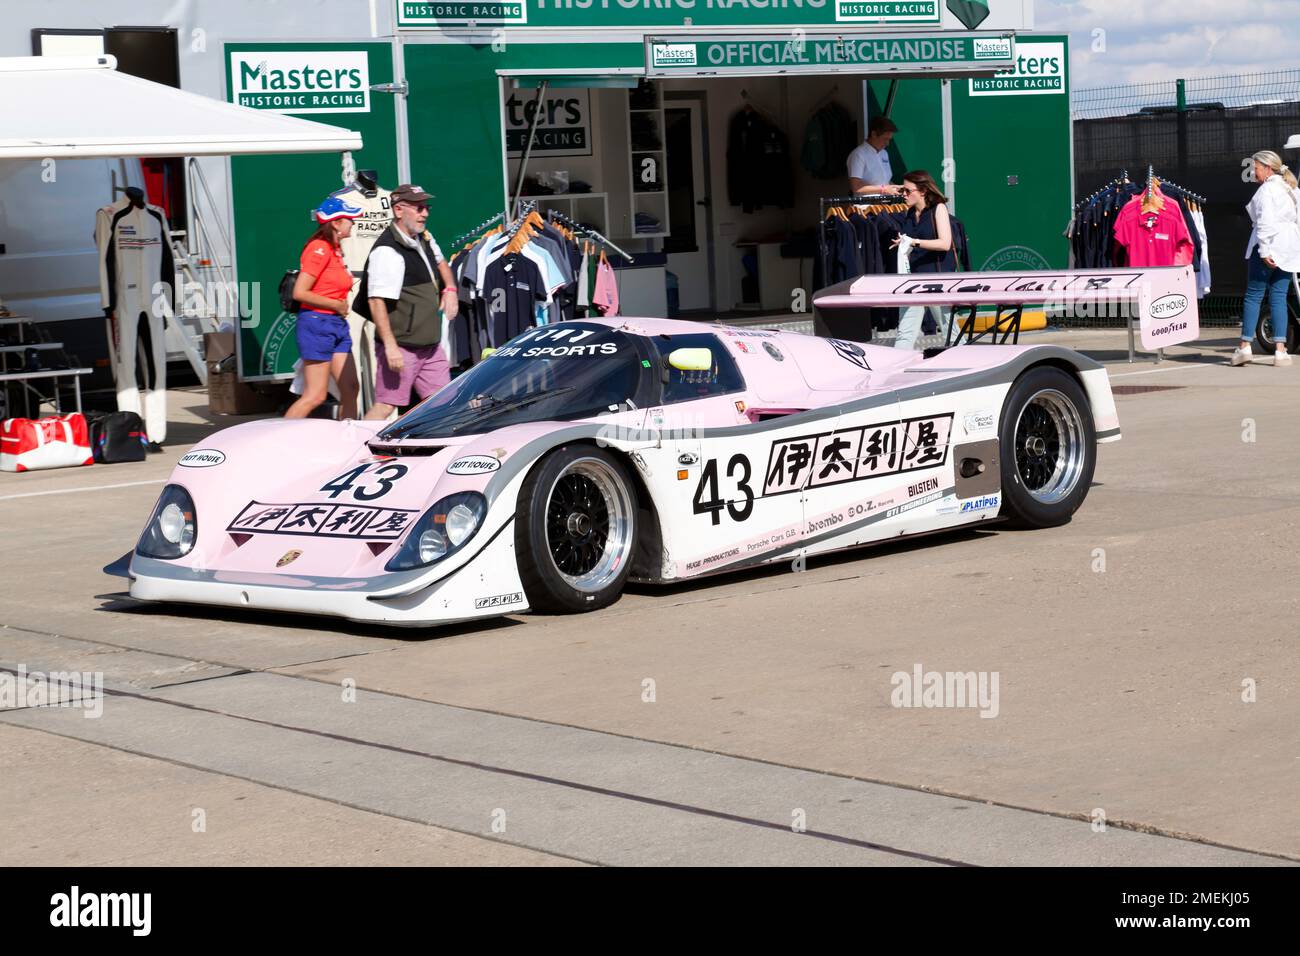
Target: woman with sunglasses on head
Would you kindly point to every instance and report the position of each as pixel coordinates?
(925, 237)
(322, 289)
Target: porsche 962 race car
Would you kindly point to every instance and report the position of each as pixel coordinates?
(589, 453)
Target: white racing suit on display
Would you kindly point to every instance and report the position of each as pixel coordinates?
(136, 286)
(376, 215)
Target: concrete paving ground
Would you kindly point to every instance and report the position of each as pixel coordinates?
(1124, 642)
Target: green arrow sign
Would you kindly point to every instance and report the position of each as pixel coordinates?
(971, 13)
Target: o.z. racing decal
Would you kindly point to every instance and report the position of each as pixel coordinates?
(856, 454)
(323, 520)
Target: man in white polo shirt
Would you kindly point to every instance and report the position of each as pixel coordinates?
(869, 170)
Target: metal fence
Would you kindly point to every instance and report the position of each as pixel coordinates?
(1199, 133)
(1207, 92)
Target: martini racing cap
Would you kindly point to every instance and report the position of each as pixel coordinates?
(408, 192)
(335, 208)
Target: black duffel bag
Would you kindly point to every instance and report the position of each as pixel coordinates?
(117, 437)
(287, 302)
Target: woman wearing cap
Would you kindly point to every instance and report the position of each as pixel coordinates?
(1272, 253)
(323, 339)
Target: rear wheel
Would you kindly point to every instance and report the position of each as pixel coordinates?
(575, 530)
(1049, 448)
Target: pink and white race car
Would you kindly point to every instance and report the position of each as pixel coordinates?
(593, 452)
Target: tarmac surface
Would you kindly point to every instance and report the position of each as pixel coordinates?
(1146, 656)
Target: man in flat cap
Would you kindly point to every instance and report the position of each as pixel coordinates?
(405, 285)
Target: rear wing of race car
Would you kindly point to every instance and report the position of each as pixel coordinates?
(1163, 299)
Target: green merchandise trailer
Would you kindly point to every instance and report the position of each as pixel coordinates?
(448, 102)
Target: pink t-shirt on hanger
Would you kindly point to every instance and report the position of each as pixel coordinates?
(1153, 238)
(605, 297)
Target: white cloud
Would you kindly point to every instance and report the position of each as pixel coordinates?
(1148, 41)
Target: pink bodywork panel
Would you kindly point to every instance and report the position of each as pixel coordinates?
(1165, 296)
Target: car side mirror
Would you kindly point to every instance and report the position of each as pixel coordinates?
(691, 360)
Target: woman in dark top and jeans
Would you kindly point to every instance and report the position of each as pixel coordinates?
(928, 231)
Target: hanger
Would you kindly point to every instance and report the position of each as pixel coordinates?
(477, 231)
(826, 98)
(368, 182)
(751, 105)
(1152, 199)
(587, 232)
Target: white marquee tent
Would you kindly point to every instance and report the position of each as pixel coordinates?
(82, 107)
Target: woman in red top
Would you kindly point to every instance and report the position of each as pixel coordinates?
(322, 288)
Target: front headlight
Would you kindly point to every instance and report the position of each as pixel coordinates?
(440, 531)
(172, 527)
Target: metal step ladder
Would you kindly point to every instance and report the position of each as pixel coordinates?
(194, 314)
(207, 296)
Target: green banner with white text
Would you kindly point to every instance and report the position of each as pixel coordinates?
(689, 55)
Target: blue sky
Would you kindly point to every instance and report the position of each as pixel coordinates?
(1149, 40)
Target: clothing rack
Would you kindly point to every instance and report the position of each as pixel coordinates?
(866, 199)
(1123, 180)
(827, 203)
(586, 231)
(477, 229)
(520, 215)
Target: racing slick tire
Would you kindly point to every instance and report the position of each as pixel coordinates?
(1049, 448)
(575, 530)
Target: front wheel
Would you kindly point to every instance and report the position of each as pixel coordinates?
(575, 530)
(1049, 448)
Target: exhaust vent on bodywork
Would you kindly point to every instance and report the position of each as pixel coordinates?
(978, 468)
(405, 451)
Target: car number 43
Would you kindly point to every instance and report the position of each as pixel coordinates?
(347, 481)
(713, 505)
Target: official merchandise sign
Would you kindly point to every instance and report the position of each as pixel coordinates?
(625, 14)
(563, 129)
(682, 55)
(1040, 70)
(297, 82)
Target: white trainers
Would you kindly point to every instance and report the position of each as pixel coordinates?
(1281, 358)
(1241, 357)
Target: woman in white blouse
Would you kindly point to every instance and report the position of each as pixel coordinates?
(1272, 254)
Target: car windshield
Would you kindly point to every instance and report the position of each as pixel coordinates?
(554, 373)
